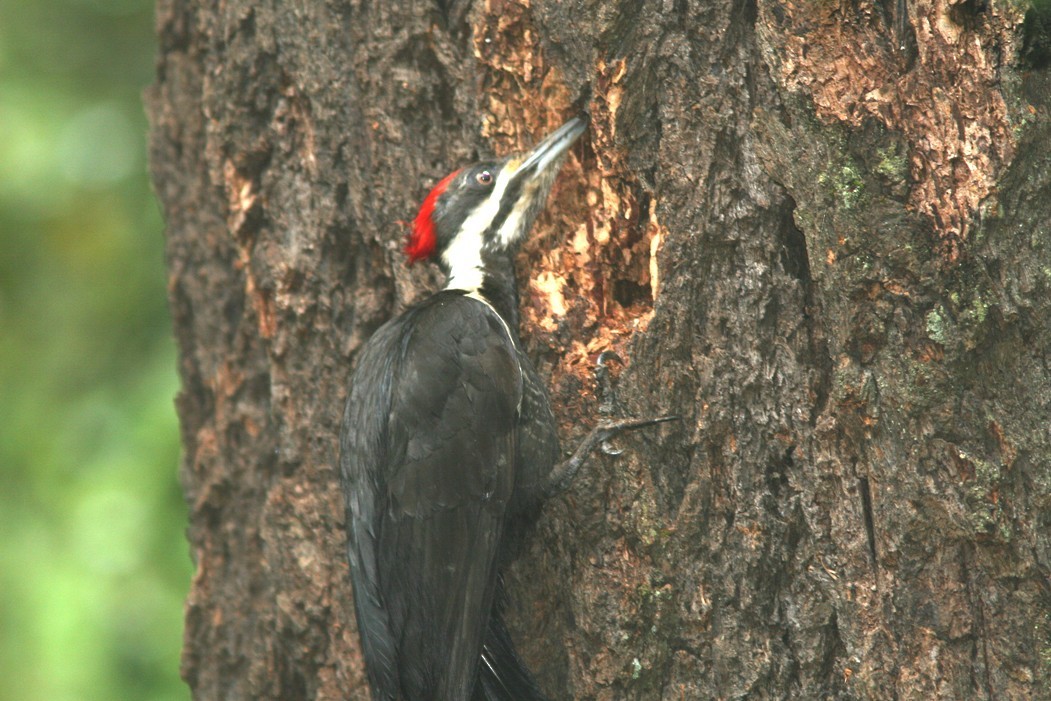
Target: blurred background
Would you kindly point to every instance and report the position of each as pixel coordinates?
(93, 562)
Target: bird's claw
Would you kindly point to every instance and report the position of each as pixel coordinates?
(599, 437)
(614, 428)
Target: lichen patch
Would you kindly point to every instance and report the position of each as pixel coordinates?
(944, 95)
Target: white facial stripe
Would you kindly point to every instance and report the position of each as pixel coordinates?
(511, 230)
(482, 217)
(463, 255)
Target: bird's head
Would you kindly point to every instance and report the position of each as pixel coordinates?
(485, 210)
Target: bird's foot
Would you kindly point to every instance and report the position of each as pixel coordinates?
(599, 437)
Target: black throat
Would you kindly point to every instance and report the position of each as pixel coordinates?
(500, 289)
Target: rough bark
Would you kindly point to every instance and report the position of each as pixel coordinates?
(819, 231)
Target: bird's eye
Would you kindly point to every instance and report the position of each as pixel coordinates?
(484, 178)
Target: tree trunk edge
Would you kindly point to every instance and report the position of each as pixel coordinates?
(857, 498)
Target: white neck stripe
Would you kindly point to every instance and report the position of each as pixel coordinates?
(463, 255)
(507, 329)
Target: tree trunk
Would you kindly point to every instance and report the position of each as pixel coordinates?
(818, 231)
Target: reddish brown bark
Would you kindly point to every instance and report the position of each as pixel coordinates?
(818, 231)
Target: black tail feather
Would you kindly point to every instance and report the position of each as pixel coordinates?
(502, 674)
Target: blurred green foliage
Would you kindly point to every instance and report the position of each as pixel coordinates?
(93, 562)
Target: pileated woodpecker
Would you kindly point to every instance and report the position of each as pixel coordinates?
(447, 438)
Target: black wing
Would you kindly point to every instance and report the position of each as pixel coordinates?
(426, 503)
(363, 455)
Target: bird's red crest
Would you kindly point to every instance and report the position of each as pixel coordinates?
(423, 240)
